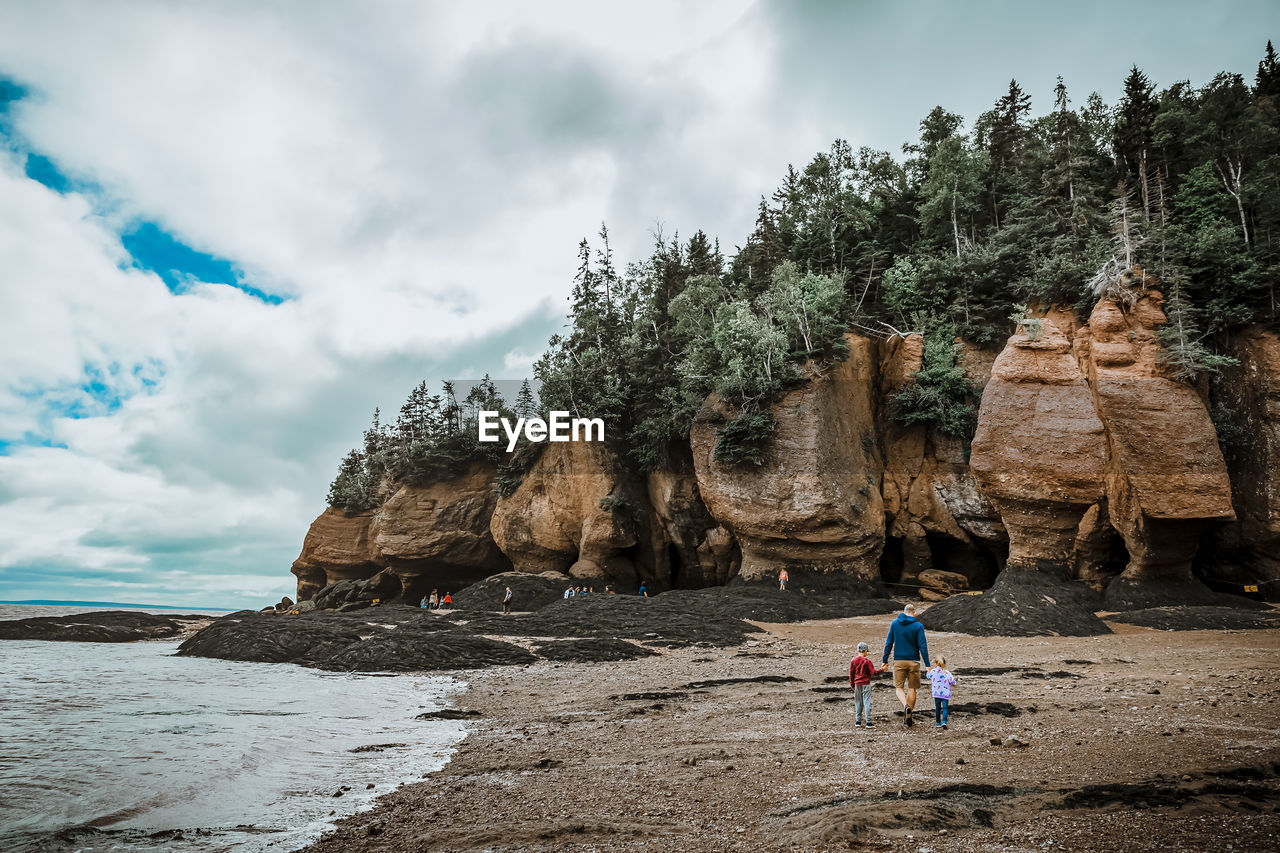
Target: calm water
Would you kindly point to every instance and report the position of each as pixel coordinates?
(114, 746)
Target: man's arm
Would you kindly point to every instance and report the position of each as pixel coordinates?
(924, 648)
(888, 644)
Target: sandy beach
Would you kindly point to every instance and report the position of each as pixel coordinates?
(1141, 740)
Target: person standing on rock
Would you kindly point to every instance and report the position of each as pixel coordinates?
(783, 577)
(434, 601)
(506, 601)
(907, 642)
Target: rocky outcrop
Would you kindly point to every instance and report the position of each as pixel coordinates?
(432, 535)
(700, 551)
(437, 535)
(337, 547)
(578, 510)
(814, 505)
(934, 512)
(1039, 453)
(1247, 398)
(1166, 481)
(103, 626)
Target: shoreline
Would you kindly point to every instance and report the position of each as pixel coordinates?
(1128, 748)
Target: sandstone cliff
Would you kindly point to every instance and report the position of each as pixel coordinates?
(1248, 400)
(1167, 484)
(577, 510)
(1088, 462)
(936, 518)
(427, 536)
(815, 503)
(1039, 453)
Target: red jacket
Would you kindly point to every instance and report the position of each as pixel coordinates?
(860, 671)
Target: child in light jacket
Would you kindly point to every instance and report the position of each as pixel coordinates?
(940, 680)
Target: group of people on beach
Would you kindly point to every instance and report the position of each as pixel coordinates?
(435, 601)
(580, 591)
(910, 648)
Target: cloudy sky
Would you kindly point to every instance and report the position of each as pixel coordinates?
(229, 230)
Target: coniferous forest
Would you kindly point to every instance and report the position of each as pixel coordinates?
(973, 227)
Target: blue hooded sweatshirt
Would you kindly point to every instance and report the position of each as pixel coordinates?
(906, 640)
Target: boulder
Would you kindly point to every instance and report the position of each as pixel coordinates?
(946, 583)
(814, 505)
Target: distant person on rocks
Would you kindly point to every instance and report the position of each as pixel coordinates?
(423, 603)
(783, 577)
(434, 601)
(940, 681)
(907, 642)
(568, 593)
(506, 601)
(643, 592)
(448, 600)
(860, 671)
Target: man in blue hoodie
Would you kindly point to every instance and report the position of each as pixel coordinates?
(907, 643)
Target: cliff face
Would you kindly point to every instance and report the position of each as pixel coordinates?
(1039, 453)
(1087, 461)
(815, 503)
(576, 510)
(436, 535)
(1079, 440)
(1248, 399)
(1167, 484)
(935, 516)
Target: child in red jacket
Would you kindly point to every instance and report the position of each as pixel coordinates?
(861, 669)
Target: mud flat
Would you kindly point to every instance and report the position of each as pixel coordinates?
(1142, 739)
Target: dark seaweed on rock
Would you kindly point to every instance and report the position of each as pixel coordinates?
(762, 603)
(528, 591)
(105, 626)
(1126, 594)
(1021, 603)
(379, 639)
(1198, 618)
(592, 650)
(655, 621)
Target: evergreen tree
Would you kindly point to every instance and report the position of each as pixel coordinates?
(526, 406)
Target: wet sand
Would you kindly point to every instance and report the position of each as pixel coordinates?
(1143, 740)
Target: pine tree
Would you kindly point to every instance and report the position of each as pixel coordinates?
(526, 405)
(1266, 84)
(1134, 130)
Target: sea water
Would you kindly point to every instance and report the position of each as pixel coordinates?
(124, 746)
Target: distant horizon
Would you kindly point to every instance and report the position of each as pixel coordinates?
(44, 602)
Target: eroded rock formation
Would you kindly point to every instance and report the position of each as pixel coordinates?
(815, 503)
(1248, 405)
(433, 535)
(578, 510)
(1039, 453)
(934, 511)
(1088, 462)
(1166, 483)
(437, 535)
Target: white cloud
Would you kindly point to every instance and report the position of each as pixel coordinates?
(389, 168)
